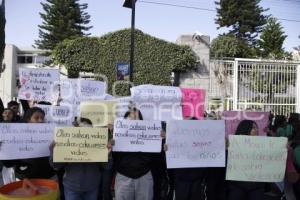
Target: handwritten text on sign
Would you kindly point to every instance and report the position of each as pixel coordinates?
(256, 158)
(73, 91)
(38, 84)
(194, 143)
(25, 140)
(59, 115)
(82, 144)
(100, 113)
(137, 136)
(158, 102)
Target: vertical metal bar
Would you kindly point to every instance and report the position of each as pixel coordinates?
(281, 85)
(257, 80)
(249, 96)
(298, 89)
(132, 40)
(235, 85)
(262, 68)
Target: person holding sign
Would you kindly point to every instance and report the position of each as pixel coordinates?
(32, 167)
(134, 180)
(81, 179)
(8, 174)
(189, 181)
(246, 190)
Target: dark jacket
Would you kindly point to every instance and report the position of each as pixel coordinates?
(31, 168)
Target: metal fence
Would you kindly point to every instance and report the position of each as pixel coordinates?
(260, 85)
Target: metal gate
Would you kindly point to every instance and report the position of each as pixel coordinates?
(265, 85)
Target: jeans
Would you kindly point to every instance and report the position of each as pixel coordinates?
(134, 189)
(75, 195)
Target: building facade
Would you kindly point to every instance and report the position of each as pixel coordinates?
(15, 58)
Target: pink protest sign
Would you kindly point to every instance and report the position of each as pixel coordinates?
(193, 102)
(233, 118)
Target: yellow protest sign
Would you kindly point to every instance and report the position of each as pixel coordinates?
(100, 113)
(80, 144)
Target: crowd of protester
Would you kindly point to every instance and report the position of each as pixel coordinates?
(144, 176)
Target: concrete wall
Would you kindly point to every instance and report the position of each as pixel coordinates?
(8, 77)
(200, 77)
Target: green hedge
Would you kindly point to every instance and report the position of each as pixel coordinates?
(154, 59)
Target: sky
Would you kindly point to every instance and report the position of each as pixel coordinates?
(162, 21)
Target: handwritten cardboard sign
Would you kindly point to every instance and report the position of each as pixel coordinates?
(137, 136)
(25, 140)
(80, 144)
(193, 101)
(256, 158)
(194, 143)
(100, 113)
(158, 102)
(38, 84)
(233, 118)
(59, 115)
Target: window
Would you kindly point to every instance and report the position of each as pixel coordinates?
(25, 59)
(41, 59)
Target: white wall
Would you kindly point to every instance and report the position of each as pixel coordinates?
(8, 77)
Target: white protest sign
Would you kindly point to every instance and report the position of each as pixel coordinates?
(256, 158)
(25, 140)
(195, 143)
(137, 136)
(73, 91)
(59, 115)
(38, 84)
(158, 102)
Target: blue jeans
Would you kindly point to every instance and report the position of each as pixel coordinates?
(75, 195)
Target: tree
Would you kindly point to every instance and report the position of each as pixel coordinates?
(80, 54)
(271, 40)
(244, 17)
(154, 61)
(229, 46)
(2, 34)
(62, 19)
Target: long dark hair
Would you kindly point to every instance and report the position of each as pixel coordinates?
(133, 110)
(245, 127)
(294, 121)
(28, 114)
(280, 121)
